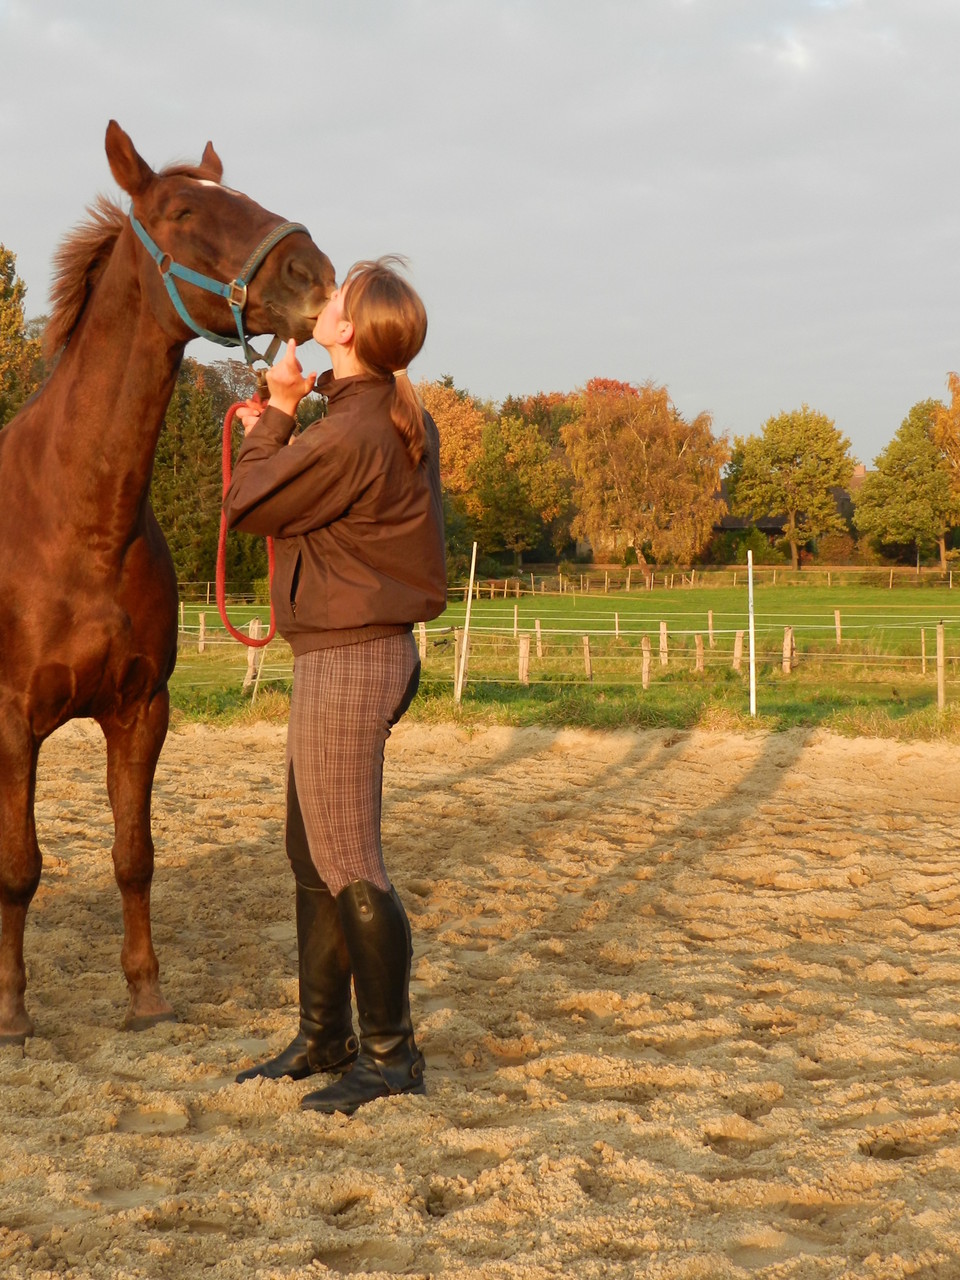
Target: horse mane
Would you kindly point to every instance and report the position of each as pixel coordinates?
(78, 264)
(82, 256)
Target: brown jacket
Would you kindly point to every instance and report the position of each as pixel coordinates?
(359, 531)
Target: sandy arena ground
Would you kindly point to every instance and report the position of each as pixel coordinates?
(690, 1004)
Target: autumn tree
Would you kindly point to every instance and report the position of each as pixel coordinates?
(792, 470)
(460, 421)
(909, 498)
(548, 411)
(518, 486)
(945, 431)
(644, 477)
(21, 361)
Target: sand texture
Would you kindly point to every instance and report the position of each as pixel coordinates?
(690, 1004)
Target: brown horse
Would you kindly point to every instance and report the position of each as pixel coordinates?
(88, 596)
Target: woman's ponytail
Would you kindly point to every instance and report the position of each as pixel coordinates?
(406, 413)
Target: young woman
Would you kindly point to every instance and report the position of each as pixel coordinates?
(354, 504)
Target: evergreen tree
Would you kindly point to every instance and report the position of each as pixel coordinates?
(186, 491)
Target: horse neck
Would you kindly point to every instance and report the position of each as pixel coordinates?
(113, 383)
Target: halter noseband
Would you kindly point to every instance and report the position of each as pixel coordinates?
(235, 292)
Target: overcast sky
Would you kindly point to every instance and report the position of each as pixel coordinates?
(750, 202)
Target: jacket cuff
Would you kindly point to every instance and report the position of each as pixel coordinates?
(274, 426)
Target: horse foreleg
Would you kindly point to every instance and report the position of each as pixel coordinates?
(20, 865)
(133, 749)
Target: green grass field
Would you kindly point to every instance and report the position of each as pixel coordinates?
(873, 682)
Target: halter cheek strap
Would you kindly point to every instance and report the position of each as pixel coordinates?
(235, 292)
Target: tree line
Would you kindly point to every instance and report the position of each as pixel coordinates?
(617, 467)
(610, 470)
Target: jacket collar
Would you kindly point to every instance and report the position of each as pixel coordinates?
(337, 388)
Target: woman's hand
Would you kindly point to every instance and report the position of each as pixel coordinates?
(286, 382)
(249, 414)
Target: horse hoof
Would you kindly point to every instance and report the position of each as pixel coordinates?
(143, 1021)
(16, 1032)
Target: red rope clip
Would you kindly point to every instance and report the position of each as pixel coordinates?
(222, 544)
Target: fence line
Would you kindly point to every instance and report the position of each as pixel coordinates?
(637, 579)
(611, 644)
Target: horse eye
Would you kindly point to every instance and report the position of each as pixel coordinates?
(179, 215)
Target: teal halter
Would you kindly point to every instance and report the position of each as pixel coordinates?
(235, 292)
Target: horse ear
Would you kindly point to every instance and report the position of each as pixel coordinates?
(130, 170)
(210, 160)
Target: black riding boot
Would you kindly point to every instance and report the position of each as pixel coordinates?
(378, 939)
(326, 1040)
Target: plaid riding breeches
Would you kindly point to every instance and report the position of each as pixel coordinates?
(345, 701)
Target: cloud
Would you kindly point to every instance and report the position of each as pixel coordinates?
(747, 200)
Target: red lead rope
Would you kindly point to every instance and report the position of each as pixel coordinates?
(222, 545)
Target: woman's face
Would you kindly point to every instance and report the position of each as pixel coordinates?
(331, 327)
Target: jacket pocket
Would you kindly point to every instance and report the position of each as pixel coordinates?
(295, 583)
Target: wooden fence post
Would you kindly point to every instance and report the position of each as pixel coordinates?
(202, 638)
(422, 645)
(738, 651)
(941, 669)
(616, 625)
(788, 650)
(923, 651)
(524, 664)
(539, 638)
(698, 644)
(516, 620)
(460, 674)
(254, 630)
(836, 623)
(587, 665)
(663, 644)
(645, 647)
(457, 648)
(713, 643)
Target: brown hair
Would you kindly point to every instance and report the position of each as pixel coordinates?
(389, 327)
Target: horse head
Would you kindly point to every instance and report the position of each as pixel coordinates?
(238, 265)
